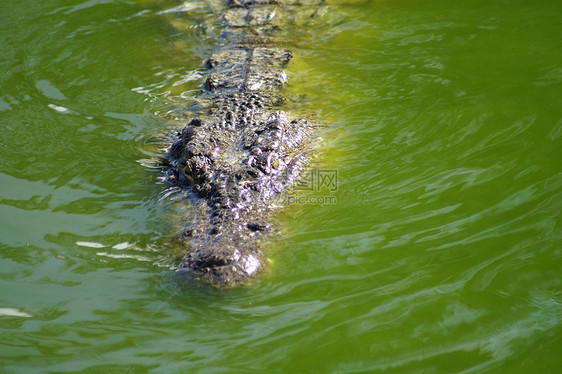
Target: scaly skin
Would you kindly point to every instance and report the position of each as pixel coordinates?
(244, 155)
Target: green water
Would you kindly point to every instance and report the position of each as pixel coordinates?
(441, 252)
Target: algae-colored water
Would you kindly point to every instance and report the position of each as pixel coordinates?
(439, 251)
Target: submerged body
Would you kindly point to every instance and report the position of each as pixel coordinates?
(244, 154)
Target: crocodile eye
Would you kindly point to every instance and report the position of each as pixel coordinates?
(251, 161)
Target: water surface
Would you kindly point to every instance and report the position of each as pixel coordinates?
(439, 251)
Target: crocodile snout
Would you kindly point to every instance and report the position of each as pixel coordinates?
(222, 264)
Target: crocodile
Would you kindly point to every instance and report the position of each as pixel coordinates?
(242, 154)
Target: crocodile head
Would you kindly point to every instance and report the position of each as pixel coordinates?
(222, 263)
